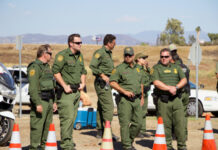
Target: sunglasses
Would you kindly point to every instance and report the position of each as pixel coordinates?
(164, 56)
(77, 43)
(144, 58)
(50, 53)
(128, 55)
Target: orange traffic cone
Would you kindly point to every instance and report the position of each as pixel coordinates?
(160, 140)
(107, 143)
(51, 143)
(15, 139)
(208, 141)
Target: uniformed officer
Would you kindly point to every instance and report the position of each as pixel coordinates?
(70, 73)
(186, 89)
(127, 79)
(102, 66)
(142, 64)
(169, 79)
(217, 75)
(41, 90)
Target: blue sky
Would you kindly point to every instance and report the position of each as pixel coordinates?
(90, 17)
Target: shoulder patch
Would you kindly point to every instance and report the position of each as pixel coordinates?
(175, 71)
(97, 55)
(113, 71)
(32, 72)
(60, 58)
(137, 69)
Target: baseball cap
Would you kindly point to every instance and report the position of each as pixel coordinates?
(128, 50)
(172, 47)
(140, 55)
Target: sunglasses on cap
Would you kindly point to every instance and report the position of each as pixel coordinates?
(50, 53)
(164, 56)
(128, 55)
(77, 43)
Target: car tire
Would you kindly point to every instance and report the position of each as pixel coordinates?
(191, 111)
(78, 126)
(215, 113)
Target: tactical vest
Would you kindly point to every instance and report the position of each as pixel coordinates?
(46, 80)
(168, 75)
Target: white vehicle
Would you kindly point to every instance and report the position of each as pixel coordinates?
(207, 101)
(25, 85)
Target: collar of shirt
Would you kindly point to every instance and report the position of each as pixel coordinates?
(106, 50)
(127, 65)
(139, 66)
(71, 54)
(40, 62)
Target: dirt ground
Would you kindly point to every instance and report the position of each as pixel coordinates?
(85, 138)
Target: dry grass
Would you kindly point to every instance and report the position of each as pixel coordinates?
(9, 56)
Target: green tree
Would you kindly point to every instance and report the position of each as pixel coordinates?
(173, 33)
(213, 38)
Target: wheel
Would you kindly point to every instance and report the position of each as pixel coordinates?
(6, 127)
(78, 126)
(215, 113)
(191, 108)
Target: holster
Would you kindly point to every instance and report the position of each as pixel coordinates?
(74, 87)
(47, 95)
(59, 90)
(164, 98)
(132, 99)
(101, 82)
(146, 88)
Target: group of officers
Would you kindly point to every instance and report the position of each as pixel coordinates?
(132, 79)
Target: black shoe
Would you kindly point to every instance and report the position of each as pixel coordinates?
(142, 135)
(146, 135)
(99, 134)
(170, 149)
(115, 138)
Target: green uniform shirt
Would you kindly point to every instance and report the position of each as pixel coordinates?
(129, 78)
(71, 66)
(40, 79)
(145, 75)
(102, 62)
(169, 75)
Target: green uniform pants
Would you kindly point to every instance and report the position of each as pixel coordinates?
(67, 109)
(39, 124)
(105, 106)
(185, 101)
(130, 118)
(173, 117)
(144, 112)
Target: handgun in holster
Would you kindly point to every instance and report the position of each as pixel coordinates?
(59, 90)
(47, 95)
(74, 87)
(146, 88)
(101, 82)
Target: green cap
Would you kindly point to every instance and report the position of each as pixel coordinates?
(172, 47)
(140, 55)
(128, 50)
